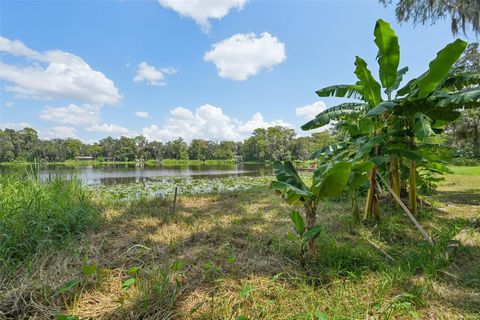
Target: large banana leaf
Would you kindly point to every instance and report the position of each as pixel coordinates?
(366, 147)
(286, 173)
(332, 180)
(371, 88)
(439, 67)
(334, 113)
(423, 126)
(341, 91)
(461, 81)
(388, 55)
(328, 149)
(292, 194)
(359, 174)
(381, 108)
(467, 99)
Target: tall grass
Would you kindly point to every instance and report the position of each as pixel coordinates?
(36, 215)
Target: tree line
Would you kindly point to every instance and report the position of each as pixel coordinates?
(274, 143)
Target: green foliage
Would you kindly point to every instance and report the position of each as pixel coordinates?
(439, 67)
(36, 215)
(388, 55)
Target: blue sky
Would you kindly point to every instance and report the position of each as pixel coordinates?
(90, 69)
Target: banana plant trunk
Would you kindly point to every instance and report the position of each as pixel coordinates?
(395, 176)
(355, 210)
(310, 213)
(372, 205)
(412, 195)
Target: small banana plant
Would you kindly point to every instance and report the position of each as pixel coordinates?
(329, 180)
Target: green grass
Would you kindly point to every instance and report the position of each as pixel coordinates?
(236, 255)
(470, 171)
(36, 215)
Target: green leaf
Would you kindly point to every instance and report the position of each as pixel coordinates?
(388, 55)
(381, 108)
(423, 128)
(341, 90)
(133, 270)
(400, 75)
(321, 316)
(328, 149)
(177, 265)
(128, 283)
(313, 233)
(439, 67)
(67, 286)
(89, 269)
(334, 179)
(412, 155)
(246, 290)
(285, 172)
(368, 146)
(333, 113)
(467, 99)
(460, 81)
(292, 194)
(371, 88)
(298, 222)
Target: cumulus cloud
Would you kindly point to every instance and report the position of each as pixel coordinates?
(153, 76)
(244, 55)
(201, 11)
(142, 114)
(54, 74)
(72, 115)
(207, 122)
(58, 133)
(111, 129)
(309, 112)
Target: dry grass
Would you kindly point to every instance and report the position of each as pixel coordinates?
(238, 260)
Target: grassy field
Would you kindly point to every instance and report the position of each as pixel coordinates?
(233, 256)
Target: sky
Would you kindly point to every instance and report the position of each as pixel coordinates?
(192, 69)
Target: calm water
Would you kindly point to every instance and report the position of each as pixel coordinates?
(134, 173)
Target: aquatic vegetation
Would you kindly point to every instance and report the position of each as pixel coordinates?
(164, 187)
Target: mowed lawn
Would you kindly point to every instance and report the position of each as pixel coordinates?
(235, 256)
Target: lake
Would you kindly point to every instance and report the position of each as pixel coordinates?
(109, 174)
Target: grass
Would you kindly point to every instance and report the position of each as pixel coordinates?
(223, 256)
(36, 215)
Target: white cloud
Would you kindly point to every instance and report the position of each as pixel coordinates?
(15, 126)
(309, 112)
(8, 104)
(203, 10)
(244, 55)
(153, 76)
(72, 115)
(142, 114)
(207, 122)
(111, 128)
(55, 74)
(58, 133)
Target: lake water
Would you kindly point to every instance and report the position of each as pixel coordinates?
(134, 173)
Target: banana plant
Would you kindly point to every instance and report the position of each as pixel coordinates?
(391, 125)
(330, 179)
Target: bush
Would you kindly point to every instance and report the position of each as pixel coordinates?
(35, 215)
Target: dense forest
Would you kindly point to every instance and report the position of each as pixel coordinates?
(274, 143)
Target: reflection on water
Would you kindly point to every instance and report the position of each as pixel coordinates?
(135, 173)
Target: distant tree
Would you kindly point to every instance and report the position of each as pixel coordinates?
(176, 149)
(462, 13)
(198, 149)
